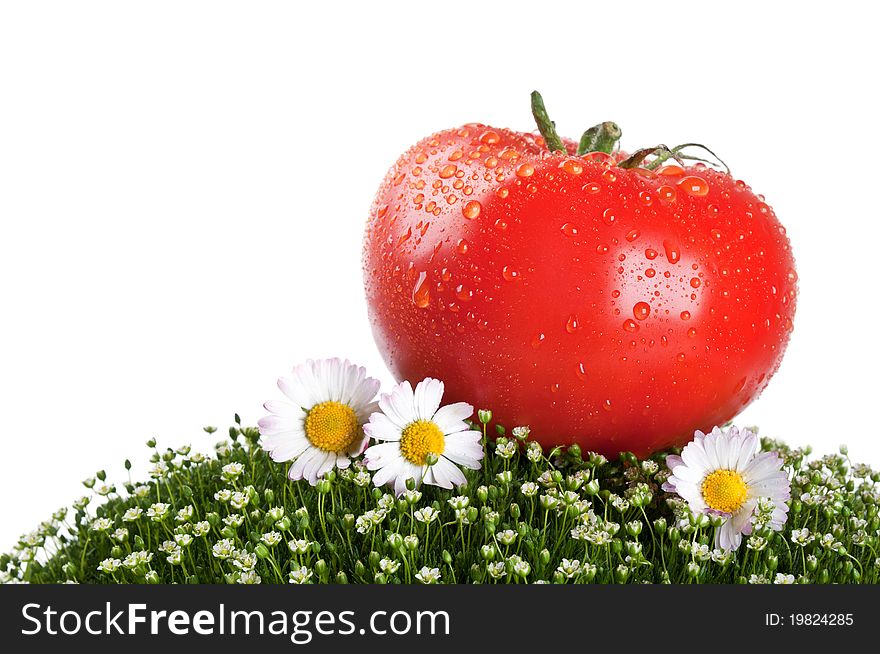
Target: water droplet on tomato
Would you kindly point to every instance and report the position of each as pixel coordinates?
(650, 272)
(463, 246)
(692, 333)
(673, 254)
(590, 188)
(502, 193)
(538, 340)
(569, 229)
(630, 325)
(602, 248)
(471, 209)
(632, 235)
(695, 282)
(463, 293)
(421, 295)
(650, 254)
(554, 388)
(670, 171)
(572, 167)
(572, 325)
(448, 171)
(680, 356)
(685, 315)
(641, 310)
(646, 198)
(581, 371)
(666, 193)
(509, 274)
(490, 137)
(525, 170)
(692, 185)
(501, 224)
(607, 405)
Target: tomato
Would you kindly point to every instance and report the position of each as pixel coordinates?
(598, 302)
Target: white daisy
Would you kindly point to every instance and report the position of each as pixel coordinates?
(416, 430)
(725, 474)
(322, 427)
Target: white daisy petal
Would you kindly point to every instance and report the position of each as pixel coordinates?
(426, 398)
(450, 418)
(382, 428)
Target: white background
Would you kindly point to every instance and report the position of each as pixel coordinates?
(183, 187)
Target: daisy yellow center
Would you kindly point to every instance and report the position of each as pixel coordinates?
(420, 438)
(332, 426)
(724, 490)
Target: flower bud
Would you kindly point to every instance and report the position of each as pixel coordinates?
(485, 416)
(592, 487)
(447, 557)
(482, 494)
(269, 495)
(283, 524)
(152, 577)
(558, 577)
(261, 551)
(544, 556)
(660, 526)
(341, 577)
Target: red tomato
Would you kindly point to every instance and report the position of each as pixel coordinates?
(620, 309)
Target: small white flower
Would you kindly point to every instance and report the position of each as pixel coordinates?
(141, 491)
(120, 535)
(783, 579)
(300, 575)
(299, 546)
(249, 578)
(520, 433)
(175, 557)
(506, 537)
(223, 495)
(756, 543)
(244, 560)
(136, 559)
(534, 453)
(570, 568)
(422, 441)
(184, 540)
(275, 513)
(101, 525)
(505, 448)
(758, 579)
(389, 566)
(223, 549)
(159, 470)
(496, 570)
(411, 542)
(724, 474)
(412, 496)
(802, 537)
(520, 568)
(132, 515)
(158, 511)
(82, 503)
(104, 490)
(529, 489)
(185, 514)
(271, 538)
(232, 471)
(426, 515)
(239, 500)
(109, 566)
(201, 528)
(428, 575)
(459, 502)
(168, 546)
(322, 427)
(234, 520)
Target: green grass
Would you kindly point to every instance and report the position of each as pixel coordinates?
(494, 530)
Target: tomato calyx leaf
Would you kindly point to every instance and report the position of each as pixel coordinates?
(662, 153)
(603, 137)
(599, 138)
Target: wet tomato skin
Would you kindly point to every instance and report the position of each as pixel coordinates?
(620, 309)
